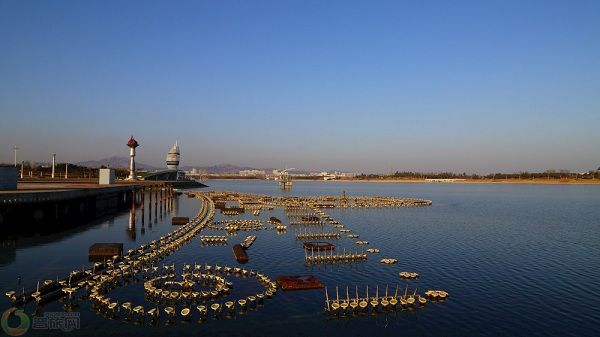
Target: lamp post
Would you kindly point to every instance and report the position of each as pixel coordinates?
(15, 149)
(53, 164)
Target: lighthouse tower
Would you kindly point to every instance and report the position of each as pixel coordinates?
(132, 144)
(173, 157)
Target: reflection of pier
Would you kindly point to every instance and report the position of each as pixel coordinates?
(163, 194)
(50, 207)
(116, 270)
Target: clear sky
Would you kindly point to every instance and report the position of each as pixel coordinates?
(367, 86)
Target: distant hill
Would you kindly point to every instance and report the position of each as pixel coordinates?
(116, 162)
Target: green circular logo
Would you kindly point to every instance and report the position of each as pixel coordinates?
(23, 322)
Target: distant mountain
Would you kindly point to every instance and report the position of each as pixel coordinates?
(116, 162)
(123, 162)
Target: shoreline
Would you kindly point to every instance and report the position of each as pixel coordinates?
(479, 181)
(466, 181)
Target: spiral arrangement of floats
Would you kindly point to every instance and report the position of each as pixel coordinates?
(195, 287)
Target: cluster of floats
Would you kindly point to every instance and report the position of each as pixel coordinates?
(231, 212)
(303, 236)
(238, 225)
(322, 252)
(331, 257)
(277, 224)
(322, 202)
(248, 241)
(379, 302)
(171, 296)
(135, 261)
(232, 226)
(249, 201)
(341, 229)
(213, 239)
(309, 212)
(409, 275)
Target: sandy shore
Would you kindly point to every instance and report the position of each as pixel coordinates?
(482, 181)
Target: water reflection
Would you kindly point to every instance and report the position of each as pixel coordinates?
(7, 252)
(499, 250)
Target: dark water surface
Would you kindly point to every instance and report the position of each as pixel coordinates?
(516, 260)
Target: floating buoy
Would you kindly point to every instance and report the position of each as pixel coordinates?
(388, 261)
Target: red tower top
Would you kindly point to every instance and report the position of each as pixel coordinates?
(132, 143)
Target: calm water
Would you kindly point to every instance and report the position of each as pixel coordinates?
(516, 260)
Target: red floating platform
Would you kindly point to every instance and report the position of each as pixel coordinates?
(287, 282)
(179, 220)
(240, 253)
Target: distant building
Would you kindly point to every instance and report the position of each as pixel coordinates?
(252, 173)
(172, 172)
(173, 157)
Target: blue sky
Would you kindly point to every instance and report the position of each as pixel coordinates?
(368, 86)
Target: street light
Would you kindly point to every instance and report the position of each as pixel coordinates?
(15, 148)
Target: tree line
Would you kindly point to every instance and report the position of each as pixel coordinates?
(548, 174)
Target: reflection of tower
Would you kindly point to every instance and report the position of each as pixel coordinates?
(175, 205)
(132, 143)
(173, 157)
(131, 228)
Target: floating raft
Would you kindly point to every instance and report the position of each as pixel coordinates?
(318, 245)
(240, 253)
(408, 275)
(298, 282)
(102, 251)
(317, 235)
(318, 257)
(179, 220)
(213, 240)
(248, 241)
(274, 220)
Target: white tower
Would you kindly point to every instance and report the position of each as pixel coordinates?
(53, 164)
(132, 143)
(173, 157)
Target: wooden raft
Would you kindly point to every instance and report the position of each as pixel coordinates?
(296, 282)
(179, 220)
(318, 245)
(240, 253)
(101, 251)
